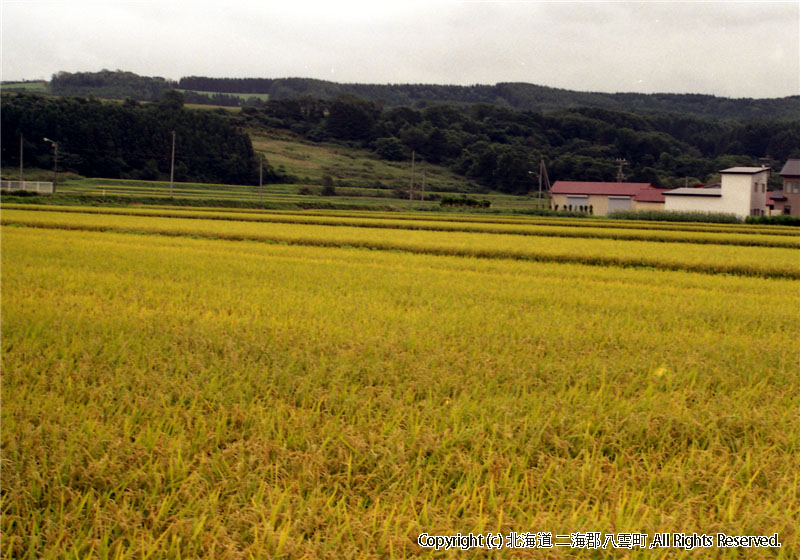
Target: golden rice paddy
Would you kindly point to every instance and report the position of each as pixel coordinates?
(202, 386)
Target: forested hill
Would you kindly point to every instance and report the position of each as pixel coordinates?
(522, 96)
(513, 95)
(126, 140)
(487, 142)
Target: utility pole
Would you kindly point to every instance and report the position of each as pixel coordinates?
(620, 174)
(172, 166)
(411, 189)
(21, 176)
(541, 164)
(261, 178)
(544, 180)
(55, 160)
(422, 198)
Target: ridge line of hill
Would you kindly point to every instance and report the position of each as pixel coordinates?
(515, 95)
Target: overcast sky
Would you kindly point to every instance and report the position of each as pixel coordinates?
(733, 49)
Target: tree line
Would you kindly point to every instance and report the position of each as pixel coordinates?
(110, 84)
(500, 148)
(521, 96)
(496, 147)
(129, 140)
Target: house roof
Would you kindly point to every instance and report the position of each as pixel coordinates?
(588, 187)
(745, 170)
(792, 168)
(695, 191)
(773, 196)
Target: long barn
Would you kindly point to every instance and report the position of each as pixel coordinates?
(600, 198)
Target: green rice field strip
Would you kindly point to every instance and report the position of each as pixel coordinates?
(171, 397)
(221, 192)
(218, 192)
(282, 194)
(731, 259)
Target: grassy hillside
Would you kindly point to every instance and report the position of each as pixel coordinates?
(39, 86)
(351, 167)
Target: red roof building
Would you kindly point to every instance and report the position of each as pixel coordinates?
(650, 194)
(588, 187)
(601, 198)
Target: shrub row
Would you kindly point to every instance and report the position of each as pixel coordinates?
(464, 202)
(675, 216)
(774, 220)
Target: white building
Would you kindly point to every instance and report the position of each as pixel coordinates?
(742, 191)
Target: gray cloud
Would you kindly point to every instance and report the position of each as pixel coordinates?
(737, 49)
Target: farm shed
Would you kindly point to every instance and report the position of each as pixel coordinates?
(601, 198)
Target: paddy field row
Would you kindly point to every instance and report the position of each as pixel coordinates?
(546, 227)
(777, 261)
(186, 387)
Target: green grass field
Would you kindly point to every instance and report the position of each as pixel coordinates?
(205, 383)
(280, 194)
(29, 87)
(246, 96)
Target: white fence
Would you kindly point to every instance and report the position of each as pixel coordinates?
(35, 186)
